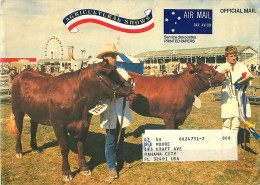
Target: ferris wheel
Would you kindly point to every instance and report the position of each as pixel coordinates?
(53, 48)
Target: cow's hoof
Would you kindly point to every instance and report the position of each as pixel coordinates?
(36, 151)
(67, 178)
(19, 155)
(86, 172)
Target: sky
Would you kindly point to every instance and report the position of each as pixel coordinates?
(26, 26)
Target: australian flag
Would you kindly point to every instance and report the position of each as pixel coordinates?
(187, 21)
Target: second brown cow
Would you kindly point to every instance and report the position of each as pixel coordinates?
(171, 97)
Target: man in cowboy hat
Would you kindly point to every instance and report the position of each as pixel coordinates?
(111, 118)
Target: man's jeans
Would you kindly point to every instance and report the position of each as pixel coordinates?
(112, 154)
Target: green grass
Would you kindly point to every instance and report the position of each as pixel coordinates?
(45, 167)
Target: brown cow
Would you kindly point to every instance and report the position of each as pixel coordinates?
(63, 102)
(171, 97)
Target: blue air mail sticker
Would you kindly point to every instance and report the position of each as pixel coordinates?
(187, 21)
(189, 145)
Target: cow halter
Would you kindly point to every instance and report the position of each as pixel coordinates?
(207, 79)
(101, 79)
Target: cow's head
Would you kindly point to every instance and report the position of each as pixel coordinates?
(208, 74)
(115, 85)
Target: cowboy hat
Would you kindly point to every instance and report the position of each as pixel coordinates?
(108, 48)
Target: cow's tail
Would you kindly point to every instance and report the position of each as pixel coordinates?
(11, 126)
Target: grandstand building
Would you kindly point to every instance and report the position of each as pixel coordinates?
(212, 55)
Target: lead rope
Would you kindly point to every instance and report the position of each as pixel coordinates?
(109, 119)
(231, 90)
(122, 121)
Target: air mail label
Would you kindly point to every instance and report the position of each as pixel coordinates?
(189, 145)
(188, 21)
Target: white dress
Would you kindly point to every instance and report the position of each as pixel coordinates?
(229, 102)
(108, 118)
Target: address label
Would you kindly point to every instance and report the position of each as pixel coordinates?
(189, 145)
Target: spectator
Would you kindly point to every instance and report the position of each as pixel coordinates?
(11, 76)
(257, 69)
(252, 67)
(164, 73)
(68, 69)
(24, 67)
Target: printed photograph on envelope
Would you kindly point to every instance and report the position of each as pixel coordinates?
(146, 92)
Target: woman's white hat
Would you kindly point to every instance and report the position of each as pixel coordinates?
(108, 48)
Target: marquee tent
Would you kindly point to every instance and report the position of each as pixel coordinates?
(130, 63)
(125, 61)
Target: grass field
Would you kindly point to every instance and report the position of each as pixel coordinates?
(45, 167)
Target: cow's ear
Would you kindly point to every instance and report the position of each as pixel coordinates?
(191, 67)
(105, 61)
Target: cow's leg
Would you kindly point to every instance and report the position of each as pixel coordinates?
(170, 122)
(84, 169)
(80, 131)
(34, 126)
(180, 118)
(173, 121)
(19, 124)
(179, 122)
(62, 137)
(89, 116)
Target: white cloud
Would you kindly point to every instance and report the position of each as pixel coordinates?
(29, 24)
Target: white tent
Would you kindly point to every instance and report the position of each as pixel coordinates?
(125, 61)
(130, 63)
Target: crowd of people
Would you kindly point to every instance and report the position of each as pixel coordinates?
(5, 69)
(255, 68)
(154, 70)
